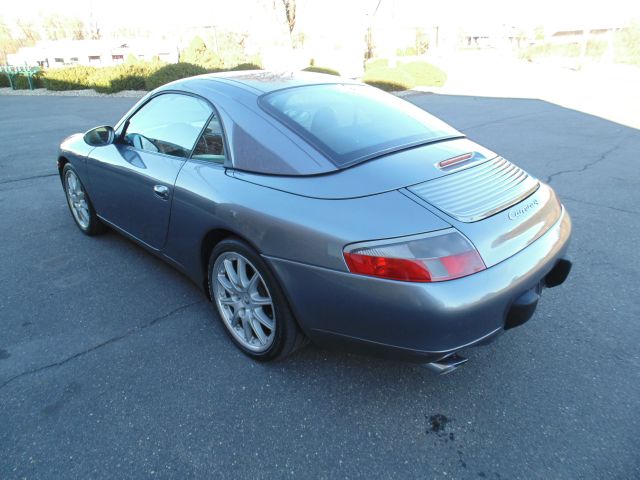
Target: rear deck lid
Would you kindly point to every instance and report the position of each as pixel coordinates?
(476, 193)
(497, 205)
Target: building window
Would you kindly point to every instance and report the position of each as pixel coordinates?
(94, 58)
(73, 60)
(117, 58)
(58, 60)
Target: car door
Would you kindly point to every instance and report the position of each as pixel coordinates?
(132, 180)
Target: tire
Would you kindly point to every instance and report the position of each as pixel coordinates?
(79, 203)
(253, 309)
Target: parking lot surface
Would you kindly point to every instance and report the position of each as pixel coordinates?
(112, 364)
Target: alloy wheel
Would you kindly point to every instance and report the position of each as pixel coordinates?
(77, 199)
(244, 301)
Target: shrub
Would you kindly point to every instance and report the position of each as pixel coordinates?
(21, 82)
(230, 49)
(197, 53)
(328, 71)
(406, 52)
(246, 66)
(126, 76)
(389, 79)
(595, 49)
(376, 63)
(172, 72)
(425, 74)
(72, 78)
(627, 44)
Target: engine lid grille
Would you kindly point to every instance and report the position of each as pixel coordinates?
(478, 192)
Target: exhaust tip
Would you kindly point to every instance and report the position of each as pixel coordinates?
(446, 365)
(558, 273)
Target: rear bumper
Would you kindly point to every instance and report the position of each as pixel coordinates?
(423, 321)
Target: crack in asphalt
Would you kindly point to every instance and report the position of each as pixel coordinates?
(630, 212)
(586, 166)
(497, 120)
(117, 338)
(23, 179)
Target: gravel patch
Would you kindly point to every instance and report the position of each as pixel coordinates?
(71, 93)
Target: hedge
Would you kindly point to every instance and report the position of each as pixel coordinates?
(328, 71)
(174, 71)
(21, 82)
(126, 76)
(594, 49)
(71, 78)
(389, 79)
(403, 76)
(151, 75)
(246, 66)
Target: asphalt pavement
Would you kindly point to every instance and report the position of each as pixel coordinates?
(114, 365)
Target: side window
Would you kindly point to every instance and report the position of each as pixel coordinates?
(211, 144)
(169, 124)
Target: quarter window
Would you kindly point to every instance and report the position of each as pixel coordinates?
(168, 124)
(211, 144)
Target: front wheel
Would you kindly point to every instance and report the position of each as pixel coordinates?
(250, 302)
(79, 203)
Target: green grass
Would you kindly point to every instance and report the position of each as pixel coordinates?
(389, 79)
(403, 76)
(425, 74)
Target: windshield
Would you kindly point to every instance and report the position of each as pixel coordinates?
(352, 123)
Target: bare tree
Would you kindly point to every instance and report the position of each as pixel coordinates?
(7, 43)
(290, 12)
(370, 45)
(58, 26)
(29, 32)
(53, 27)
(93, 30)
(76, 28)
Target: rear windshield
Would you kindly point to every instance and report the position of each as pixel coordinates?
(352, 123)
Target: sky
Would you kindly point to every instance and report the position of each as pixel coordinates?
(246, 14)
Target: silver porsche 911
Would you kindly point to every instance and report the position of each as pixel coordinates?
(311, 207)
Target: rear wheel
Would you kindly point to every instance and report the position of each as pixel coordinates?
(80, 204)
(250, 302)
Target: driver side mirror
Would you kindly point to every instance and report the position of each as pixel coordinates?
(100, 136)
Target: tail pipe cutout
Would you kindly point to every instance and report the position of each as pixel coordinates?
(522, 309)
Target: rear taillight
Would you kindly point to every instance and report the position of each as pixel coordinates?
(434, 257)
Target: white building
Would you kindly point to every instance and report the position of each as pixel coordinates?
(99, 53)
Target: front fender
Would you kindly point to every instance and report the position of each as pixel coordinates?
(75, 151)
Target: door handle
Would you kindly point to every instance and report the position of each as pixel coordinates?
(161, 191)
